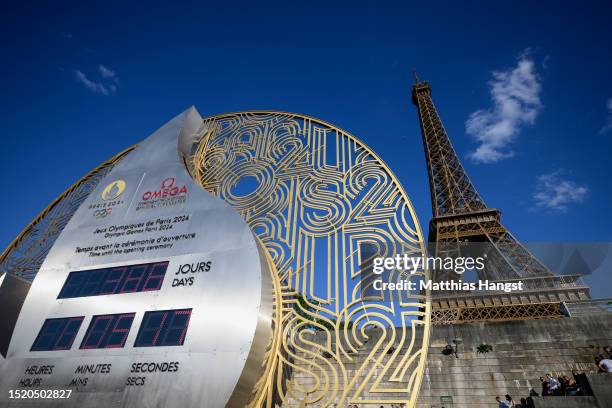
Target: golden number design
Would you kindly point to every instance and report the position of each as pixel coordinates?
(314, 195)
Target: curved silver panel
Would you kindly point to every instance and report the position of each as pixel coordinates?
(148, 209)
(13, 291)
(1, 280)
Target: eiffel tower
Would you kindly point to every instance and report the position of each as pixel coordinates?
(462, 222)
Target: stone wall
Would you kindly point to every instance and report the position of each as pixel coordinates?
(522, 352)
(565, 402)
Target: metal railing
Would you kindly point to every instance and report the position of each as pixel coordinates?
(587, 307)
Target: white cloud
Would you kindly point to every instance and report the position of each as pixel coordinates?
(515, 94)
(553, 192)
(608, 126)
(106, 86)
(106, 72)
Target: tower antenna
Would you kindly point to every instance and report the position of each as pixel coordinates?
(416, 77)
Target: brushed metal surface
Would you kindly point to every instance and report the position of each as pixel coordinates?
(231, 307)
(2, 317)
(13, 291)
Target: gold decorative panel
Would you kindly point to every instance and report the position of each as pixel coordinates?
(314, 195)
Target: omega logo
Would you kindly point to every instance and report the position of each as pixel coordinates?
(168, 189)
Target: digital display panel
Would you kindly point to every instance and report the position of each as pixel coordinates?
(163, 328)
(108, 331)
(57, 334)
(114, 280)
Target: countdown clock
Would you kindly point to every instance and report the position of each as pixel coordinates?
(155, 294)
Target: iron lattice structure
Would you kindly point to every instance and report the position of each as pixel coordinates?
(514, 312)
(462, 221)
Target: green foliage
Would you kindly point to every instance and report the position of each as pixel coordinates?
(484, 348)
(303, 307)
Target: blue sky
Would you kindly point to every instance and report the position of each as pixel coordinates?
(524, 90)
